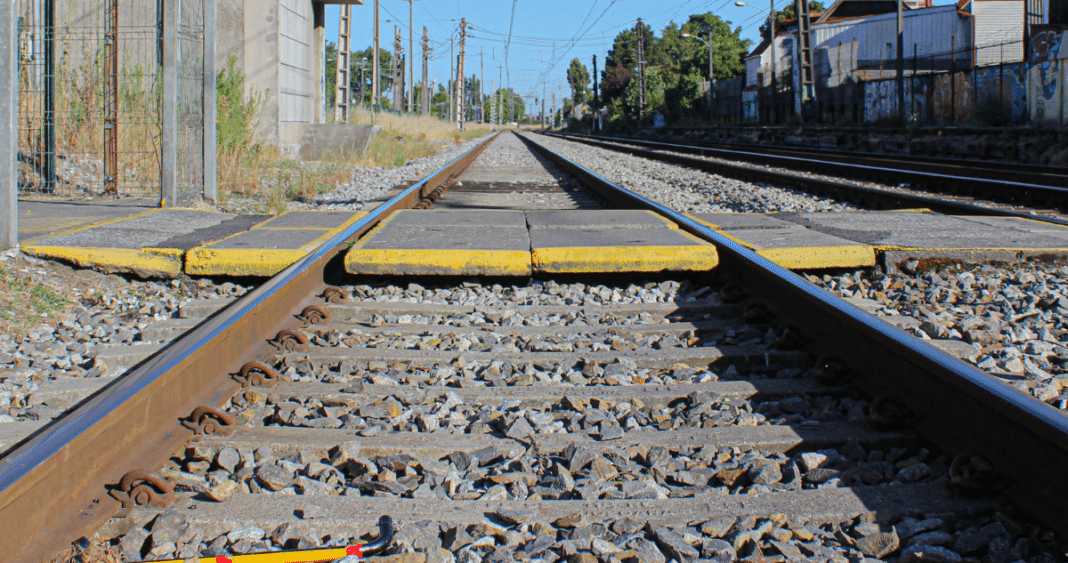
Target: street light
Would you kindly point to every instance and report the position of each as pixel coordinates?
(771, 36)
(711, 79)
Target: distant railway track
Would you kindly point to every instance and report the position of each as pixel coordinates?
(687, 401)
(947, 186)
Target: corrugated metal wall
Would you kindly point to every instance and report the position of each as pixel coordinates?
(998, 31)
(928, 31)
(295, 78)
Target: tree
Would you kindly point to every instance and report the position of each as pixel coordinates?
(579, 78)
(385, 65)
(790, 13)
(507, 96)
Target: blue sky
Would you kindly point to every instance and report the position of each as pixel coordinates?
(545, 34)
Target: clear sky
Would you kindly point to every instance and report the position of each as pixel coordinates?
(545, 34)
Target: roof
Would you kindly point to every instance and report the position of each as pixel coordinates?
(842, 9)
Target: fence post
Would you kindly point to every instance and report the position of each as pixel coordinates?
(211, 139)
(9, 109)
(169, 164)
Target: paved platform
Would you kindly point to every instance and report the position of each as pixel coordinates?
(852, 239)
(518, 243)
(443, 243)
(788, 244)
(149, 244)
(38, 219)
(153, 242)
(268, 247)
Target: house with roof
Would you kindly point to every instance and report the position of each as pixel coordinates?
(856, 40)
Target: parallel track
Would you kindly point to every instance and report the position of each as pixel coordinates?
(955, 187)
(53, 487)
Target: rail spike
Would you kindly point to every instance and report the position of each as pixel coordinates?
(256, 374)
(314, 315)
(289, 340)
(335, 295)
(207, 420)
(140, 487)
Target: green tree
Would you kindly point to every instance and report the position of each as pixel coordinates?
(790, 13)
(385, 65)
(579, 78)
(517, 111)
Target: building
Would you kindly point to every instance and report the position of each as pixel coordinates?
(280, 46)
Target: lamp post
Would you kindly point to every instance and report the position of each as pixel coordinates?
(711, 79)
(771, 39)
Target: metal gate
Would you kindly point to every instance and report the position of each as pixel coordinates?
(105, 90)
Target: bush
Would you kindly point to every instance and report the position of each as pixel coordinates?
(237, 116)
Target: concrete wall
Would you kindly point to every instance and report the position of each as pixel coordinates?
(999, 28)
(279, 48)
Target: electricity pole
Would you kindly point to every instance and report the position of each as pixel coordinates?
(398, 70)
(901, 61)
(411, 53)
(461, 90)
(481, 87)
(343, 78)
(641, 74)
(426, 58)
(452, 85)
(596, 113)
(376, 86)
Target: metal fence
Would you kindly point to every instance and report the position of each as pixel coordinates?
(93, 98)
(989, 85)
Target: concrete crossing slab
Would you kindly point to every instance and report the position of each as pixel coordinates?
(789, 244)
(444, 243)
(148, 244)
(269, 247)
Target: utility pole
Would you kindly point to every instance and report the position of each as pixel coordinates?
(596, 113)
(376, 85)
(426, 58)
(398, 70)
(343, 92)
(363, 66)
(804, 42)
(493, 109)
(901, 60)
(543, 108)
(461, 90)
(500, 97)
(641, 73)
(771, 30)
(452, 85)
(554, 110)
(411, 53)
(481, 87)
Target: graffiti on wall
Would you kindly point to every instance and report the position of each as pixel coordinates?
(1047, 52)
(880, 100)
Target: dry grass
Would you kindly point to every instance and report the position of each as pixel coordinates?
(29, 298)
(94, 550)
(261, 174)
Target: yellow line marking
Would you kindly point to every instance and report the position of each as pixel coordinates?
(593, 259)
(162, 261)
(309, 556)
(438, 262)
(815, 257)
(258, 262)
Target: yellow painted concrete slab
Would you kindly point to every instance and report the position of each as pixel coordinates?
(444, 243)
(790, 245)
(622, 250)
(263, 250)
(146, 262)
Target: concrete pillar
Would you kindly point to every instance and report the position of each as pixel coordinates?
(169, 164)
(319, 63)
(9, 104)
(211, 138)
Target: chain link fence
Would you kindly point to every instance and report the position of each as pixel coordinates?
(91, 98)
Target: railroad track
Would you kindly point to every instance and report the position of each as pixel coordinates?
(954, 187)
(741, 412)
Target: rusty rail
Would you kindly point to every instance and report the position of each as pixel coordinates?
(59, 484)
(960, 407)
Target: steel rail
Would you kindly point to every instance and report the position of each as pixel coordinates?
(866, 196)
(939, 169)
(994, 167)
(54, 486)
(960, 407)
